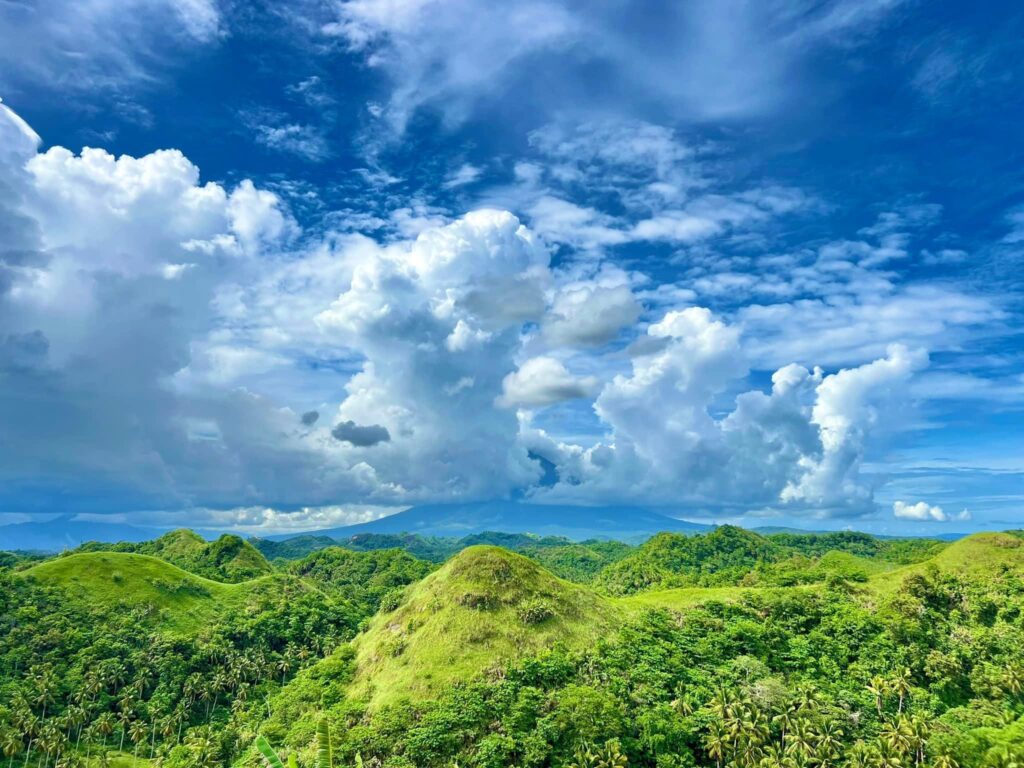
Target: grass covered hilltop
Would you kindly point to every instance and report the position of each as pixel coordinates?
(723, 649)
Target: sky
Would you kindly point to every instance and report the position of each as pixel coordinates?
(271, 266)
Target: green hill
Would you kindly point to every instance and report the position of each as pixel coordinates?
(178, 600)
(980, 555)
(667, 560)
(229, 559)
(487, 606)
(365, 578)
(484, 606)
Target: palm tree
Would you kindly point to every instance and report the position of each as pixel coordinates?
(10, 744)
(284, 664)
(917, 730)
(610, 756)
(785, 720)
(44, 685)
(886, 757)
(105, 726)
(137, 733)
(945, 761)
(1003, 757)
(29, 726)
(859, 756)
(829, 743)
(901, 685)
(878, 687)
(896, 735)
(1013, 679)
(715, 743)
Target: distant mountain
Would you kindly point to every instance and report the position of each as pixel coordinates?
(65, 533)
(577, 523)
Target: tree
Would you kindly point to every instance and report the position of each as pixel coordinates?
(878, 687)
(137, 733)
(901, 686)
(10, 744)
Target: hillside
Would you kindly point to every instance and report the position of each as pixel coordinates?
(174, 599)
(229, 559)
(181, 600)
(484, 606)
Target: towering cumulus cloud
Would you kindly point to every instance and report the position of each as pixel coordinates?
(160, 336)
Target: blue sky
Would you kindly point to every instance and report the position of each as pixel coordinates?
(755, 262)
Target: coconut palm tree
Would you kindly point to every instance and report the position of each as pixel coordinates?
(105, 726)
(896, 735)
(10, 744)
(901, 686)
(859, 755)
(715, 744)
(878, 687)
(137, 733)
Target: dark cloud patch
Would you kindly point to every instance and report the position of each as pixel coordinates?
(23, 351)
(362, 437)
(309, 418)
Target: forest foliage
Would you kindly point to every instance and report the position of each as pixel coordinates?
(724, 649)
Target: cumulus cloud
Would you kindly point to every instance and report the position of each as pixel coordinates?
(360, 436)
(591, 312)
(799, 446)
(925, 512)
(544, 381)
(98, 336)
(176, 342)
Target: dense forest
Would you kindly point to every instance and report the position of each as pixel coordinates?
(723, 649)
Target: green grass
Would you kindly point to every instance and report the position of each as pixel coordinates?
(182, 602)
(690, 597)
(980, 554)
(484, 607)
(466, 617)
(117, 759)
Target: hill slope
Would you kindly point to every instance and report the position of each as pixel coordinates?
(230, 558)
(484, 606)
(487, 606)
(178, 600)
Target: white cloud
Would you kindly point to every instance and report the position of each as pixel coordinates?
(79, 45)
(543, 381)
(306, 141)
(703, 60)
(461, 176)
(591, 312)
(924, 512)
(799, 447)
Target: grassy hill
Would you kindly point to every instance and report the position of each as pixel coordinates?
(486, 606)
(228, 559)
(180, 601)
(483, 607)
